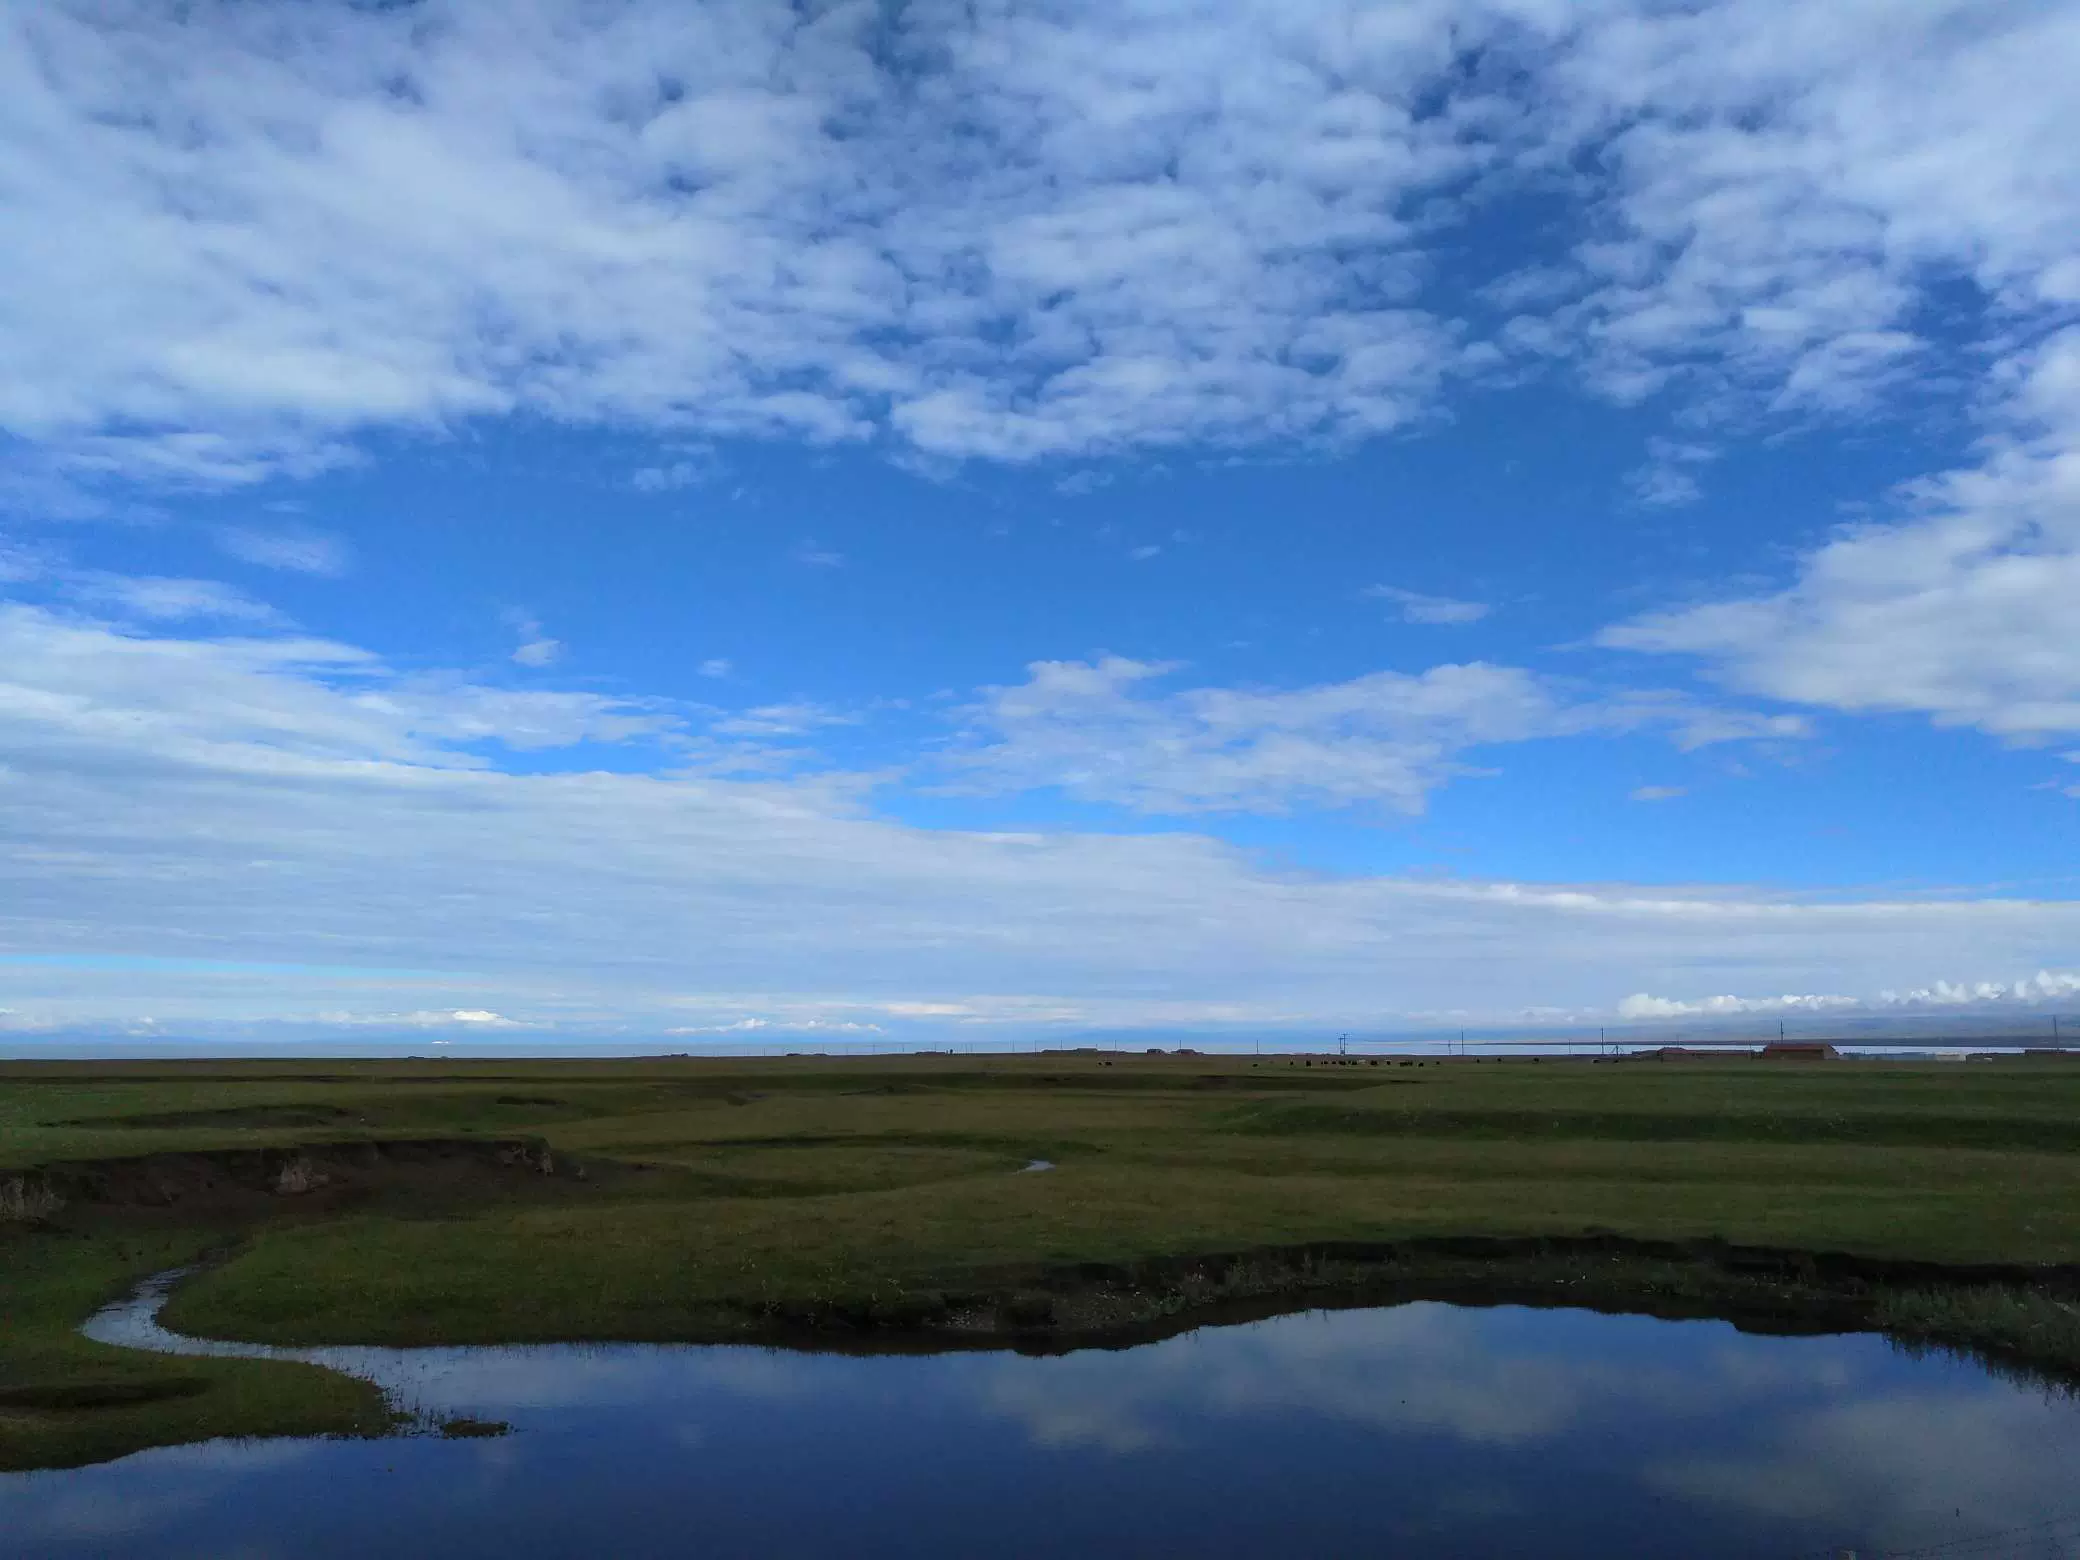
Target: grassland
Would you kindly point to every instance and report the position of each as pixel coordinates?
(879, 1202)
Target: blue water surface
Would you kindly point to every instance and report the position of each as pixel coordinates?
(1420, 1429)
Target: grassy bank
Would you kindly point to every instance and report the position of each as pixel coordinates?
(65, 1400)
(883, 1197)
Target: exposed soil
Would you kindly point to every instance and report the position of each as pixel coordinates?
(240, 1183)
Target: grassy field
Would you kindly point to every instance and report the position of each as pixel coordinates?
(733, 1198)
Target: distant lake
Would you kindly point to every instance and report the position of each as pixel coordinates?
(1416, 1430)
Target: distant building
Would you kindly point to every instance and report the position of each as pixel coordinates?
(1800, 1051)
(1682, 1053)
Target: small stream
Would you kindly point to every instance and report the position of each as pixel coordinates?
(1417, 1430)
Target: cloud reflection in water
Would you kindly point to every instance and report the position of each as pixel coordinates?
(1430, 1427)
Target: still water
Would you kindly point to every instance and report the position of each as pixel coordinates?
(1417, 1430)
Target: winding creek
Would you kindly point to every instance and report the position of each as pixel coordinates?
(1421, 1429)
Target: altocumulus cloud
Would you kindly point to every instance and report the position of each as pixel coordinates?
(991, 233)
(240, 236)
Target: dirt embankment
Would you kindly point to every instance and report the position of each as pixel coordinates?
(2023, 1316)
(239, 1183)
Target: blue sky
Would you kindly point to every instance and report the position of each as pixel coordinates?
(871, 521)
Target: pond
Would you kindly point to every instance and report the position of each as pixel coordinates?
(1420, 1429)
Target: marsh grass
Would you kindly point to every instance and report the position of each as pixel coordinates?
(884, 1194)
(66, 1400)
(2004, 1322)
(2002, 1133)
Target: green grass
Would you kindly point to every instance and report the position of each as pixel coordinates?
(65, 1400)
(876, 1188)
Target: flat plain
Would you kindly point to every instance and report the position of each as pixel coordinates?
(888, 1202)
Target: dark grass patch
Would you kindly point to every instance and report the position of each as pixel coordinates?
(68, 1396)
(1018, 1148)
(2009, 1323)
(474, 1429)
(2034, 1134)
(388, 1110)
(227, 1116)
(1109, 1081)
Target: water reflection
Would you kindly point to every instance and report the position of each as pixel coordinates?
(1420, 1429)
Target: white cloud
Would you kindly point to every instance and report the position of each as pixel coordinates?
(264, 705)
(1641, 1005)
(2044, 987)
(21, 562)
(1784, 181)
(539, 652)
(1102, 731)
(1415, 607)
(1886, 1460)
(782, 720)
(1773, 246)
(997, 232)
(1657, 793)
(668, 478)
(237, 239)
(1962, 611)
(422, 1018)
(139, 597)
(1668, 480)
(289, 801)
(303, 551)
(778, 1026)
(535, 649)
(817, 557)
(716, 666)
(157, 598)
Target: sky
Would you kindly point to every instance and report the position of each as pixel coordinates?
(555, 520)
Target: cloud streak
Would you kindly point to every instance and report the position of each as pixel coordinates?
(1106, 731)
(1412, 606)
(293, 801)
(300, 550)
